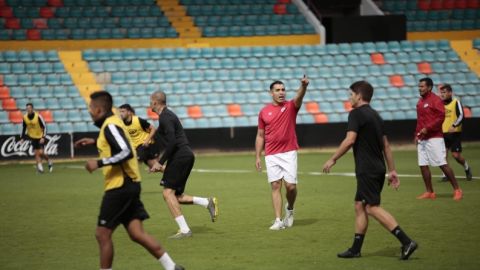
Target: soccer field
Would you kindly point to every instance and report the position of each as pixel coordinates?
(48, 221)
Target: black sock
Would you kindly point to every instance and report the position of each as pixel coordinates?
(357, 242)
(401, 236)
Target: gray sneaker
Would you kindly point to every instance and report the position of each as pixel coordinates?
(181, 235)
(213, 208)
(179, 267)
(469, 175)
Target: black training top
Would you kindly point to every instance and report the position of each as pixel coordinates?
(170, 135)
(368, 147)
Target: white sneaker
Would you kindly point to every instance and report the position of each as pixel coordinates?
(288, 219)
(277, 225)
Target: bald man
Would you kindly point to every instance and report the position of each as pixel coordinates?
(176, 163)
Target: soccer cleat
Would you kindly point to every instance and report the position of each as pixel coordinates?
(213, 208)
(179, 267)
(348, 254)
(468, 174)
(181, 235)
(427, 195)
(288, 219)
(408, 250)
(277, 225)
(457, 194)
(50, 167)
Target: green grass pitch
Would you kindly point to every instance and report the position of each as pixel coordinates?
(48, 221)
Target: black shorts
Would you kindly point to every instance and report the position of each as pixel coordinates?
(145, 153)
(36, 143)
(121, 205)
(178, 169)
(369, 187)
(453, 141)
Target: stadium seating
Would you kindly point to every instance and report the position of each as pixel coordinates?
(80, 19)
(436, 15)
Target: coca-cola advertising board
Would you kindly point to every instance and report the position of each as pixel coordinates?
(56, 145)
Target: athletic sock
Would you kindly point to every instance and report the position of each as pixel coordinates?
(357, 242)
(50, 162)
(167, 262)
(401, 235)
(466, 166)
(40, 167)
(200, 201)
(182, 224)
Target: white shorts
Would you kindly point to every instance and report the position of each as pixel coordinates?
(431, 152)
(282, 166)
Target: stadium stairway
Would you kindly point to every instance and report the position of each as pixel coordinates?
(81, 75)
(468, 54)
(179, 19)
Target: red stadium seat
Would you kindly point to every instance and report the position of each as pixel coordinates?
(284, 1)
(3, 3)
(194, 111)
(234, 110)
(33, 34)
(12, 23)
(467, 112)
(312, 107)
(46, 12)
(461, 4)
(4, 92)
(151, 114)
(423, 4)
(347, 105)
(6, 12)
(320, 118)
(436, 4)
(473, 4)
(9, 104)
(55, 3)
(448, 4)
(424, 68)
(397, 81)
(15, 117)
(280, 9)
(377, 58)
(47, 116)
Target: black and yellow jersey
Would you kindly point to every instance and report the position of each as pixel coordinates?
(34, 126)
(453, 115)
(138, 129)
(116, 155)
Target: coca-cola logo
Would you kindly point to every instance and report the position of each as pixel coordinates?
(12, 147)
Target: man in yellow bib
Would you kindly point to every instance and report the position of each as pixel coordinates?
(452, 128)
(34, 129)
(141, 132)
(121, 202)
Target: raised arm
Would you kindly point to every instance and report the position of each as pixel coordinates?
(298, 99)
(259, 144)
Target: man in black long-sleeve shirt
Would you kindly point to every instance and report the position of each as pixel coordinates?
(176, 164)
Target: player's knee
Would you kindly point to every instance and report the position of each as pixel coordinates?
(101, 236)
(456, 155)
(167, 193)
(291, 188)
(136, 237)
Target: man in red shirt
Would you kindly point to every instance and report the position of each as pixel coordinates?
(429, 139)
(276, 133)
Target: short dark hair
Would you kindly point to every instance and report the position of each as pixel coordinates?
(364, 88)
(447, 87)
(104, 98)
(427, 81)
(275, 82)
(29, 104)
(127, 107)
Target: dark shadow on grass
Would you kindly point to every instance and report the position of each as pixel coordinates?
(445, 195)
(389, 252)
(305, 222)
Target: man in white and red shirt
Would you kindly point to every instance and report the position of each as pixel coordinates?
(276, 133)
(429, 138)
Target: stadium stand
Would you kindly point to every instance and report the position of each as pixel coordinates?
(436, 15)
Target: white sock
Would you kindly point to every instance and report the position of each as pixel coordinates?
(466, 165)
(50, 162)
(182, 224)
(40, 166)
(278, 220)
(200, 201)
(167, 262)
